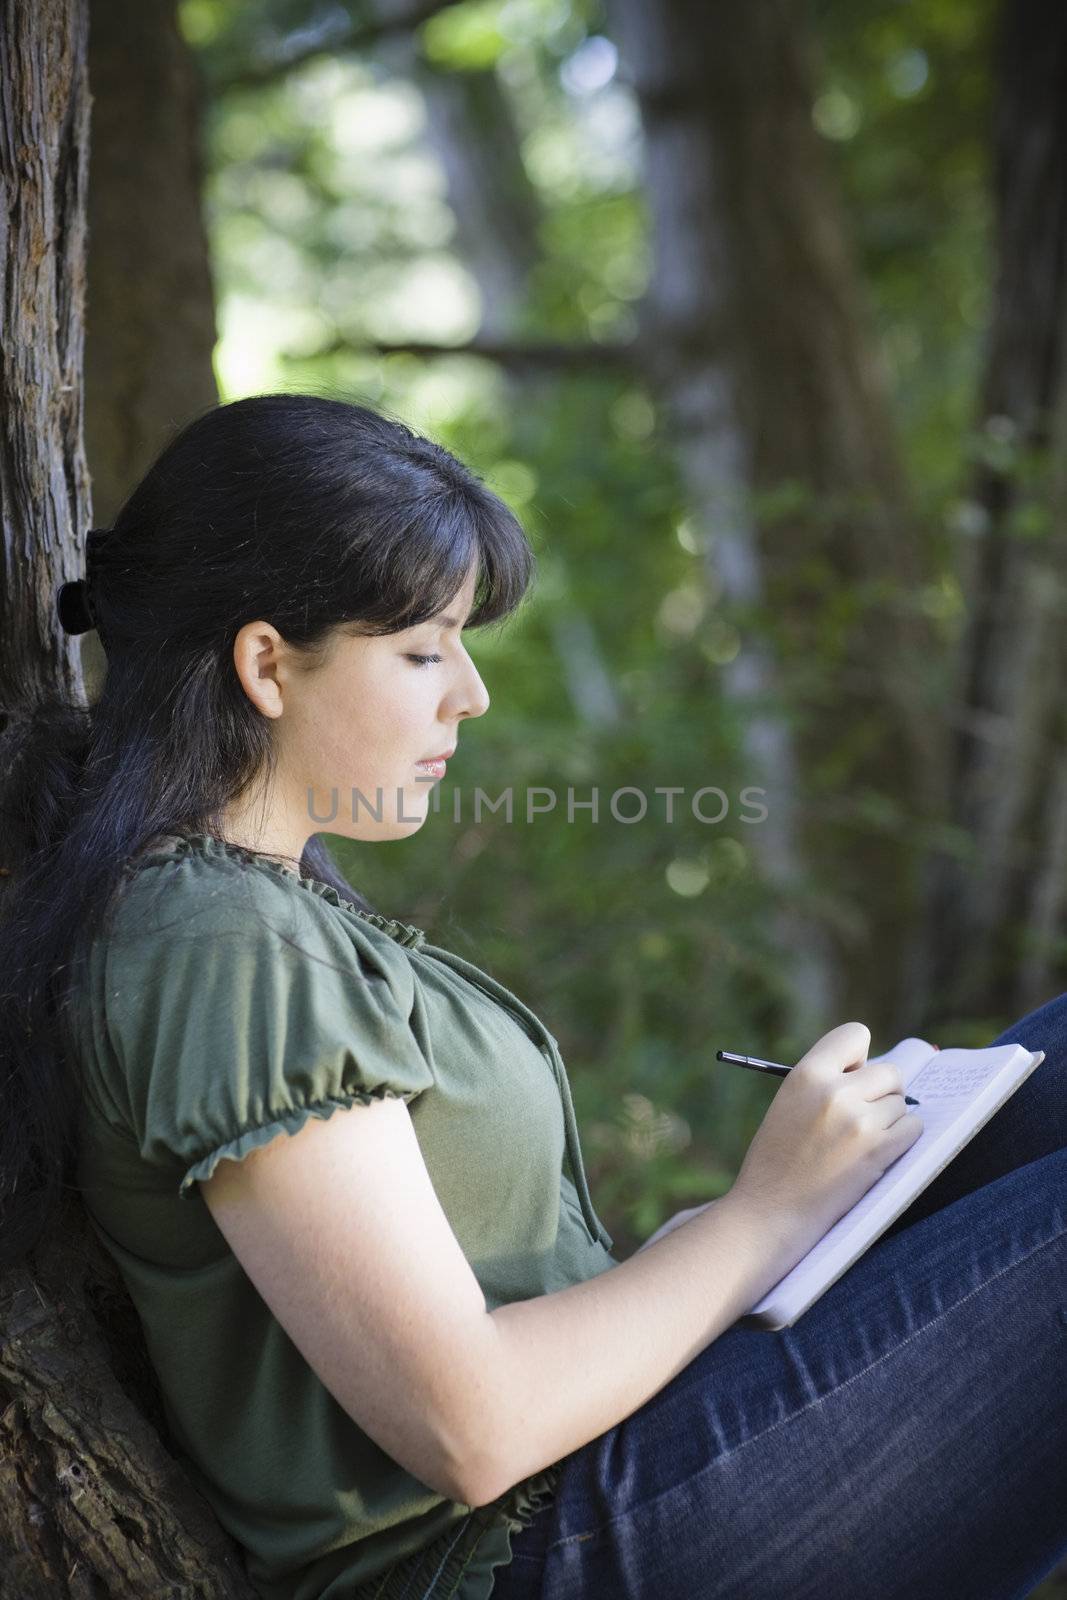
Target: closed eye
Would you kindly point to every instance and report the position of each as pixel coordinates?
(423, 661)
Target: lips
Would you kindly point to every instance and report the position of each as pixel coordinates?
(435, 765)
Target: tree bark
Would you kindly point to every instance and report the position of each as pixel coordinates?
(44, 482)
(92, 1500)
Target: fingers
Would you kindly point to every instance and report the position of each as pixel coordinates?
(843, 1048)
(889, 1110)
(878, 1078)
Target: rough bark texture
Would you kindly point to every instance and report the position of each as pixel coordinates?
(999, 905)
(92, 1501)
(44, 483)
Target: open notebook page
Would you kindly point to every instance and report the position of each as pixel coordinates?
(956, 1090)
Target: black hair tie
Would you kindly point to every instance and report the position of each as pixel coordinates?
(74, 600)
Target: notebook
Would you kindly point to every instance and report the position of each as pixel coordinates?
(958, 1091)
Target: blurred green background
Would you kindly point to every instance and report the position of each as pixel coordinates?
(720, 300)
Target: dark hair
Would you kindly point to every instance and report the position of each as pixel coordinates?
(308, 512)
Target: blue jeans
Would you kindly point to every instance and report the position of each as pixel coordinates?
(905, 1440)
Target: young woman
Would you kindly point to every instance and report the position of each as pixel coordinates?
(338, 1165)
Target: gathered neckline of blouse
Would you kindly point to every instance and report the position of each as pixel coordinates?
(169, 846)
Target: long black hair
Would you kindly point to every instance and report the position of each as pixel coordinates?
(304, 511)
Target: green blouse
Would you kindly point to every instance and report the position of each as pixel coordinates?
(228, 1001)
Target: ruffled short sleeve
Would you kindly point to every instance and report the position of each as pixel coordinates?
(237, 1016)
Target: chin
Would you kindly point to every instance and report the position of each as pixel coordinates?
(401, 828)
(367, 831)
(384, 833)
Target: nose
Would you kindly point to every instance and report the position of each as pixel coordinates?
(472, 696)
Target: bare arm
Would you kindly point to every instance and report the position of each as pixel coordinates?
(674, 1222)
(341, 1232)
(614, 1341)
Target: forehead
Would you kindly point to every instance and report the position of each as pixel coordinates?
(455, 614)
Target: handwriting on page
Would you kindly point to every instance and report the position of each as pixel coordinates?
(951, 1076)
(945, 1088)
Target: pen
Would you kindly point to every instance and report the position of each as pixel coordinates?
(774, 1067)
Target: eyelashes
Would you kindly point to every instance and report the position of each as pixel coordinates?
(423, 661)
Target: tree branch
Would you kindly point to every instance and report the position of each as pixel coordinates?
(547, 356)
(360, 35)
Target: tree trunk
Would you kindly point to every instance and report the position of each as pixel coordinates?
(1044, 963)
(999, 903)
(91, 1500)
(150, 328)
(44, 483)
(151, 311)
(756, 329)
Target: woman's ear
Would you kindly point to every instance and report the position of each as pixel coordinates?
(258, 650)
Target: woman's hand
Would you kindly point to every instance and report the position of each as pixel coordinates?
(836, 1123)
(673, 1222)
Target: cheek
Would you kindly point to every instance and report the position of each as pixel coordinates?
(369, 718)
(399, 703)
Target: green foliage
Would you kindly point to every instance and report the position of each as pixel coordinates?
(644, 945)
(912, 157)
(466, 38)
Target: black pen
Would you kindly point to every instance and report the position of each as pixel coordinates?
(774, 1067)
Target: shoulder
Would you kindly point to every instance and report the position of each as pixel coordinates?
(195, 883)
(234, 996)
(207, 940)
(239, 921)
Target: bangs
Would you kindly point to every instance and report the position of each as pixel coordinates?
(506, 564)
(422, 564)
